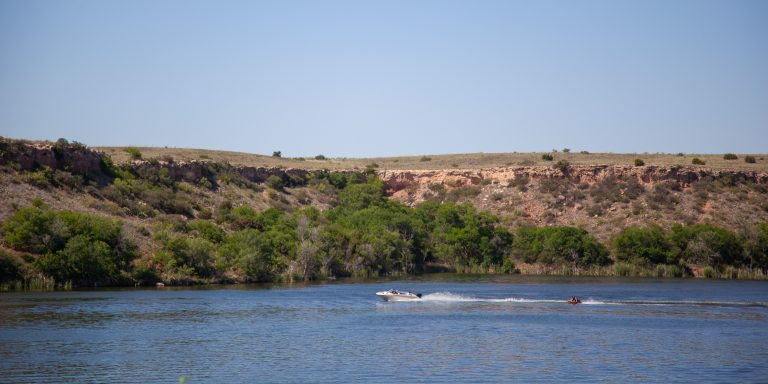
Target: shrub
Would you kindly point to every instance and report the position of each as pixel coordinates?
(612, 189)
(466, 192)
(584, 152)
(547, 157)
(41, 178)
(277, 154)
(10, 267)
(680, 154)
(566, 150)
(730, 156)
(134, 152)
(167, 201)
(623, 270)
(562, 165)
(521, 182)
(639, 162)
(205, 183)
(661, 194)
(596, 210)
(208, 230)
(633, 189)
(276, 182)
(749, 159)
(425, 158)
(554, 186)
(697, 161)
(320, 157)
(68, 179)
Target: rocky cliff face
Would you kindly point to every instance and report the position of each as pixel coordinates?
(74, 158)
(78, 159)
(413, 185)
(193, 171)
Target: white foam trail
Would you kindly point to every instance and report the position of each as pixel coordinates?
(596, 302)
(454, 298)
(448, 297)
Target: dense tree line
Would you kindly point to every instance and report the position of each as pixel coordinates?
(696, 244)
(364, 234)
(72, 246)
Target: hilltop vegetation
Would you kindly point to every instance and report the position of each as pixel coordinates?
(440, 162)
(72, 216)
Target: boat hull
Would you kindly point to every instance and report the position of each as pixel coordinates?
(388, 296)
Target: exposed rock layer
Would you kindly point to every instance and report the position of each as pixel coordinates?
(416, 182)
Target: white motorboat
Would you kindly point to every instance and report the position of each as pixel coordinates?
(395, 295)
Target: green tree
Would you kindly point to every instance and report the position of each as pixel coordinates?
(756, 246)
(82, 260)
(75, 246)
(559, 244)
(464, 237)
(29, 229)
(642, 245)
(360, 196)
(259, 255)
(10, 268)
(706, 244)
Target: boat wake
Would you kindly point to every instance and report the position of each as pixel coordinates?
(447, 297)
(454, 298)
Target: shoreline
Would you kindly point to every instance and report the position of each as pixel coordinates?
(742, 274)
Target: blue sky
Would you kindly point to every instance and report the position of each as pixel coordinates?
(373, 78)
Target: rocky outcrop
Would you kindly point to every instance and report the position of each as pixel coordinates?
(418, 181)
(95, 165)
(75, 158)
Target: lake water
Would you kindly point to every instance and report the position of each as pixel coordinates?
(465, 329)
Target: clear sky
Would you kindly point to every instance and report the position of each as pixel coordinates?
(370, 78)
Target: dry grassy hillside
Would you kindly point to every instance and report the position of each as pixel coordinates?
(441, 162)
(601, 193)
(602, 200)
(524, 189)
